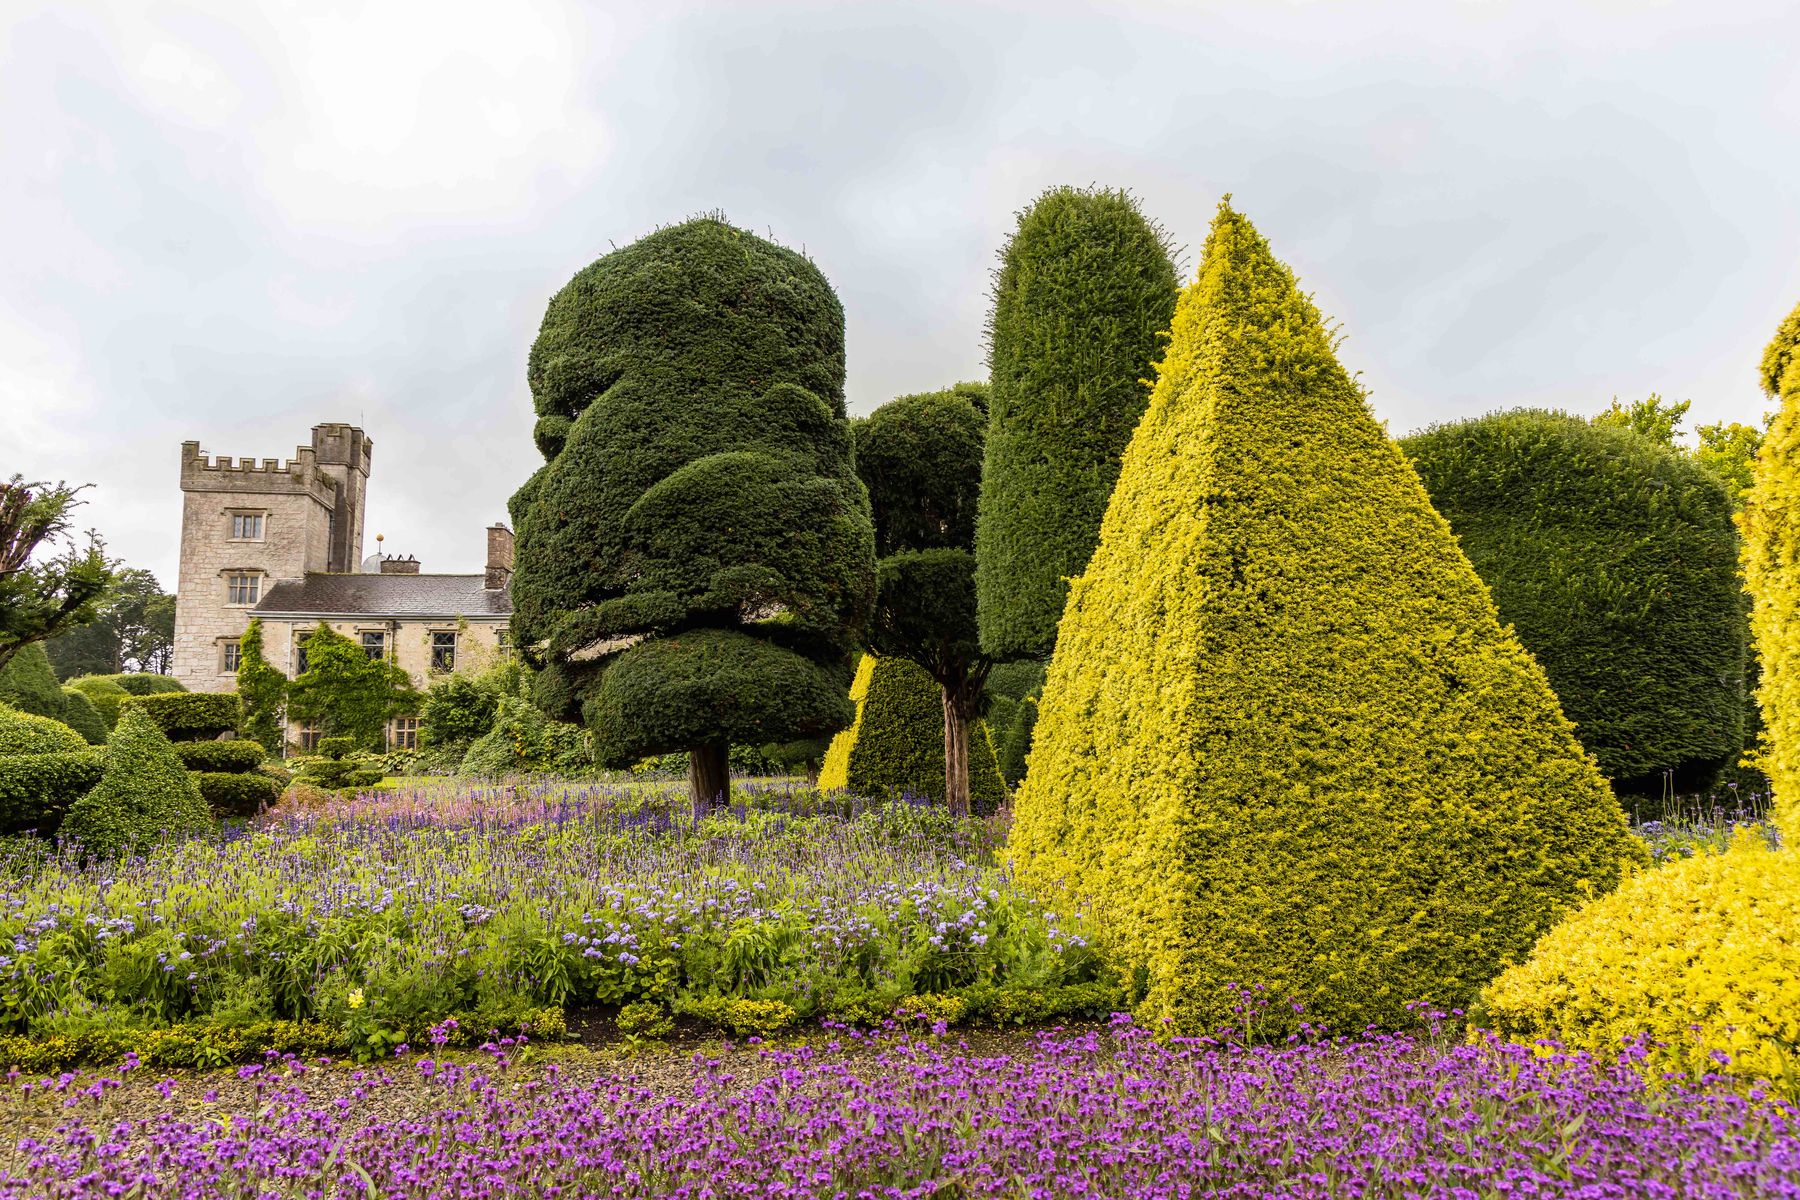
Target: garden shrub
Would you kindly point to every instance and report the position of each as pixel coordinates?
(236, 756)
(1285, 741)
(1084, 290)
(695, 557)
(144, 683)
(1701, 954)
(236, 793)
(28, 683)
(1616, 563)
(29, 733)
(1772, 572)
(188, 716)
(339, 766)
(37, 789)
(104, 693)
(1014, 752)
(895, 746)
(144, 793)
(80, 715)
(525, 741)
(834, 772)
(457, 710)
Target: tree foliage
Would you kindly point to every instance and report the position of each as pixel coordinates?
(1614, 558)
(133, 630)
(1285, 741)
(1654, 418)
(42, 594)
(698, 511)
(1085, 288)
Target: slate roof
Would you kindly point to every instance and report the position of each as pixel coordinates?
(388, 596)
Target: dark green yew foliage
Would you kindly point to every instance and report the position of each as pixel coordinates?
(1615, 560)
(144, 793)
(28, 683)
(920, 457)
(80, 715)
(1085, 288)
(695, 558)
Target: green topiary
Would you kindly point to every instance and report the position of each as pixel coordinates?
(1085, 287)
(28, 683)
(1285, 742)
(235, 756)
(1771, 523)
(104, 694)
(699, 510)
(80, 715)
(143, 683)
(1014, 753)
(1615, 561)
(28, 733)
(895, 747)
(188, 716)
(144, 793)
(37, 789)
(236, 793)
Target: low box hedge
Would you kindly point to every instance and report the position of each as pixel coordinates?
(189, 716)
(37, 789)
(236, 794)
(236, 756)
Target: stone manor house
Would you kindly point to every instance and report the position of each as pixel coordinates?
(284, 541)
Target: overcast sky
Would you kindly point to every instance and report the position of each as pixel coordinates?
(230, 221)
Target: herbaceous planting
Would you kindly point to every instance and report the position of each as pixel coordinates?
(1136, 773)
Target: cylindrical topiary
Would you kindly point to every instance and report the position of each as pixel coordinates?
(1615, 561)
(236, 793)
(695, 557)
(234, 756)
(1286, 743)
(1085, 287)
(1771, 523)
(144, 793)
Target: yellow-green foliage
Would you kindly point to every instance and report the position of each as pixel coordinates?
(1771, 525)
(1702, 954)
(895, 747)
(834, 772)
(1284, 740)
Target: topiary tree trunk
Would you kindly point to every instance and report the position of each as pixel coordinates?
(709, 778)
(959, 718)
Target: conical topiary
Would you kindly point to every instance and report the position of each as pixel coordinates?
(144, 793)
(1285, 742)
(895, 747)
(1771, 525)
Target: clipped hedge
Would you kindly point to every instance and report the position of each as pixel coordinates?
(1702, 954)
(80, 715)
(188, 716)
(104, 693)
(28, 733)
(236, 793)
(143, 683)
(235, 756)
(1084, 291)
(144, 793)
(37, 789)
(1285, 741)
(1616, 562)
(895, 746)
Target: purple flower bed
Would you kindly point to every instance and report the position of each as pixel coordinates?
(1104, 1114)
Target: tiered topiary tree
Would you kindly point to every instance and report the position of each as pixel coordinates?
(695, 559)
(895, 747)
(144, 793)
(920, 457)
(225, 771)
(1285, 741)
(1085, 288)
(1615, 561)
(1771, 523)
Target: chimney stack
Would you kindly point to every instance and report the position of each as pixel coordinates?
(499, 556)
(400, 566)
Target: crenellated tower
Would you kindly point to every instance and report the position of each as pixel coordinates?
(246, 526)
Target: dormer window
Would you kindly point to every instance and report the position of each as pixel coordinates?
(247, 527)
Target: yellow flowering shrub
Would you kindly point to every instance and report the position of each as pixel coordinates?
(1771, 527)
(1284, 740)
(1702, 954)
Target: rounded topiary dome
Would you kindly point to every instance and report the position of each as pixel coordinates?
(28, 733)
(1615, 560)
(690, 399)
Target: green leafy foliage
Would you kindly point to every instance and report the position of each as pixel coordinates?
(133, 628)
(27, 683)
(522, 740)
(1615, 561)
(144, 793)
(241, 754)
(262, 690)
(1085, 287)
(188, 716)
(236, 793)
(37, 789)
(1285, 741)
(80, 715)
(28, 733)
(104, 694)
(143, 683)
(457, 710)
(920, 457)
(44, 594)
(345, 693)
(698, 496)
(1654, 418)
(1728, 450)
(1015, 744)
(896, 745)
